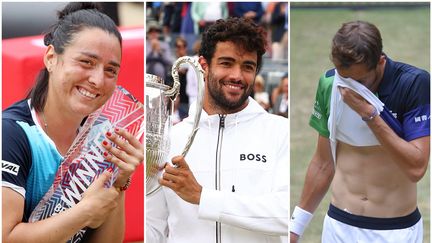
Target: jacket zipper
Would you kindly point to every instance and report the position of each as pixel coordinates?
(218, 169)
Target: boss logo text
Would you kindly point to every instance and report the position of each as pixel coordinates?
(253, 157)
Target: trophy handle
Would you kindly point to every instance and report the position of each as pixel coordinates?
(199, 103)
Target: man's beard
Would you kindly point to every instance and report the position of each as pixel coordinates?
(219, 98)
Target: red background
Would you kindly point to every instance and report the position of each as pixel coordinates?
(22, 59)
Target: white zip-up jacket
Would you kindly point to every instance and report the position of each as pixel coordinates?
(241, 161)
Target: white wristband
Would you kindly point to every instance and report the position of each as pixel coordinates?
(299, 221)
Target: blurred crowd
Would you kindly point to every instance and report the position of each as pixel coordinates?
(174, 29)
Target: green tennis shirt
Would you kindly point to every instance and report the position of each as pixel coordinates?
(321, 108)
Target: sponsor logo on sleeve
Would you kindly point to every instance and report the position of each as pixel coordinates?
(10, 168)
(395, 115)
(421, 118)
(316, 111)
(316, 114)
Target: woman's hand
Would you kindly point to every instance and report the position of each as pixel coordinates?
(127, 154)
(98, 201)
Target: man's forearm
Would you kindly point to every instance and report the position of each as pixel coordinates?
(317, 182)
(412, 157)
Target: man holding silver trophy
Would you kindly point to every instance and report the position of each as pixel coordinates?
(233, 184)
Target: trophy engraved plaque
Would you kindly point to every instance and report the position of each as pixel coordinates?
(84, 161)
(159, 99)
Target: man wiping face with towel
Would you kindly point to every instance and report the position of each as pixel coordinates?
(373, 119)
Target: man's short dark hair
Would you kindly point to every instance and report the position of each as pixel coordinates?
(242, 32)
(357, 42)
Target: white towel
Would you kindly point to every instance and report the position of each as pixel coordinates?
(344, 123)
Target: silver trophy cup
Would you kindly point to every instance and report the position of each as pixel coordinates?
(159, 99)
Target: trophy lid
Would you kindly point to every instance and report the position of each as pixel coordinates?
(154, 81)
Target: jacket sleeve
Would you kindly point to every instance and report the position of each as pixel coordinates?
(156, 217)
(266, 213)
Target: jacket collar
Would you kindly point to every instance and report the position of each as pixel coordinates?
(252, 110)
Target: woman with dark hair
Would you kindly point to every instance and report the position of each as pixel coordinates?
(82, 62)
